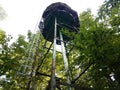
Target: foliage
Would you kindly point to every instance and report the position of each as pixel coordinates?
(98, 43)
(93, 56)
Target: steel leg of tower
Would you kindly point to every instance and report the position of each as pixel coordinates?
(53, 81)
(65, 60)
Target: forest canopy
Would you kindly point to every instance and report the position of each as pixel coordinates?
(94, 55)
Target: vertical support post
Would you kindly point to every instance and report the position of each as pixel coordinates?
(65, 60)
(53, 81)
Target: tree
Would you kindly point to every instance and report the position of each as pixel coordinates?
(2, 13)
(7, 63)
(109, 13)
(98, 51)
(93, 56)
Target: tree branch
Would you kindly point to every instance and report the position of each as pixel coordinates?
(43, 74)
(77, 86)
(73, 81)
